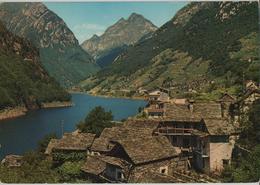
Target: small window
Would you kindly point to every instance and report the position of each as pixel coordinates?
(174, 140)
(225, 162)
(119, 174)
(203, 163)
(164, 170)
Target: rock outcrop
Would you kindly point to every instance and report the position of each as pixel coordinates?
(60, 52)
(23, 80)
(203, 49)
(123, 33)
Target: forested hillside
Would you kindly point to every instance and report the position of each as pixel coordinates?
(207, 48)
(23, 81)
(60, 52)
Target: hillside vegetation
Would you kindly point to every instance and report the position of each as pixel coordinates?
(206, 49)
(23, 81)
(60, 52)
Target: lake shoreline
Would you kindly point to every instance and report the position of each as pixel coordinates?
(57, 104)
(15, 112)
(20, 135)
(108, 96)
(10, 113)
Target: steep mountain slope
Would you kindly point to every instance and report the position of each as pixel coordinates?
(60, 52)
(206, 48)
(23, 81)
(123, 33)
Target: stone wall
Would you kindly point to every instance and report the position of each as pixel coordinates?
(169, 165)
(218, 153)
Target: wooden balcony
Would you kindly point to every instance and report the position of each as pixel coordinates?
(174, 131)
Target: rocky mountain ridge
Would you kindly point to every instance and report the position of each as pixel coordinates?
(203, 49)
(60, 52)
(23, 81)
(123, 33)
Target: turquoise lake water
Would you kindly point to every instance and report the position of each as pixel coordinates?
(22, 134)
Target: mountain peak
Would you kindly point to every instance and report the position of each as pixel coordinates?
(121, 20)
(94, 37)
(48, 32)
(123, 33)
(135, 16)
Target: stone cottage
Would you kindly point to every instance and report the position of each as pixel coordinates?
(213, 149)
(68, 144)
(130, 158)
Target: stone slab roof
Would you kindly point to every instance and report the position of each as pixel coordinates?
(219, 126)
(74, 141)
(147, 149)
(94, 165)
(227, 98)
(114, 161)
(248, 94)
(51, 145)
(151, 110)
(12, 160)
(199, 111)
(130, 129)
(154, 177)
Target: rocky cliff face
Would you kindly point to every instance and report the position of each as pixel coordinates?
(203, 49)
(123, 33)
(23, 81)
(60, 52)
(11, 44)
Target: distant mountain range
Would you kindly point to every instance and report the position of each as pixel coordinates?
(206, 49)
(117, 38)
(60, 52)
(23, 81)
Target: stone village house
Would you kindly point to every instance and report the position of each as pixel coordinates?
(131, 152)
(126, 153)
(12, 161)
(199, 128)
(129, 159)
(70, 143)
(133, 145)
(186, 135)
(204, 131)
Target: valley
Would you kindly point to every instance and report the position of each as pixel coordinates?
(198, 53)
(59, 50)
(140, 92)
(24, 84)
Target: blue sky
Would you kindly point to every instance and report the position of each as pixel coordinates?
(88, 18)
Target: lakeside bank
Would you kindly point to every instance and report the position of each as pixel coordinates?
(16, 134)
(15, 112)
(107, 96)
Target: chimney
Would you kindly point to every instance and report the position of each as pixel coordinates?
(190, 106)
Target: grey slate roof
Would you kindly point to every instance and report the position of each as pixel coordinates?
(147, 149)
(219, 126)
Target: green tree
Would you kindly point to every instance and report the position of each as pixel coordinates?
(246, 166)
(42, 144)
(34, 169)
(71, 171)
(248, 169)
(96, 121)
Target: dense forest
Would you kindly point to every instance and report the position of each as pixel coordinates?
(59, 50)
(246, 163)
(23, 81)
